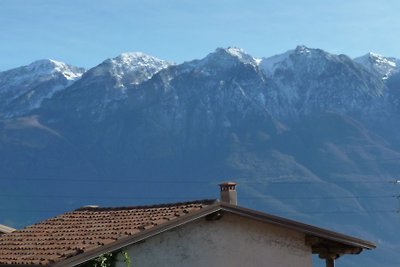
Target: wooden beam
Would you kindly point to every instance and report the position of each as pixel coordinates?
(330, 262)
(327, 249)
(335, 250)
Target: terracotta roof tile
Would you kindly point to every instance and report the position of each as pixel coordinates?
(85, 229)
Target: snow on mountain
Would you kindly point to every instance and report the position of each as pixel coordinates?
(299, 81)
(137, 116)
(242, 56)
(384, 66)
(130, 68)
(42, 70)
(270, 64)
(102, 87)
(292, 69)
(23, 89)
(224, 58)
(215, 65)
(312, 79)
(49, 67)
(235, 52)
(288, 59)
(296, 82)
(112, 77)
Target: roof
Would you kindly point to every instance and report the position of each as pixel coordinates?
(76, 237)
(5, 229)
(85, 229)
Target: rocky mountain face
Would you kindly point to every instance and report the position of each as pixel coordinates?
(106, 84)
(312, 80)
(308, 135)
(383, 66)
(23, 89)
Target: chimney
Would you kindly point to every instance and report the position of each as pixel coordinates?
(228, 193)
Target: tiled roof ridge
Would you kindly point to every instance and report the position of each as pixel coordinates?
(6, 229)
(161, 205)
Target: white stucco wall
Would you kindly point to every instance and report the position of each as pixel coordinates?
(230, 241)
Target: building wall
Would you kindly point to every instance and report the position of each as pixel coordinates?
(230, 241)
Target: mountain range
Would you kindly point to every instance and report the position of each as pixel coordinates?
(308, 135)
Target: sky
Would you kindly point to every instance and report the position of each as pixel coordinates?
(86, 32)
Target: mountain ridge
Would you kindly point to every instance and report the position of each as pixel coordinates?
(132, 68)
(305, 123)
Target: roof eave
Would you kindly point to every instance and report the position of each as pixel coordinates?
(298, 226)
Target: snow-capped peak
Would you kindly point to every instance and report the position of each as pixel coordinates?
(136, 59)
(45, 67)
(302, 49)
(381, 59)
(23, 89)
(224, 57)
(131, 67)
(242, 55)
(300, 54)
(384, 66)
(38, 71)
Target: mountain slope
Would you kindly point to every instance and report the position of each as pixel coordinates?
(106, 84)
(375, 63)
(312, 80)
(23, 89)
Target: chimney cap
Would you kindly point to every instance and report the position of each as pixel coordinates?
(227, 184)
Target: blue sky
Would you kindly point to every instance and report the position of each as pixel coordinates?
(85, 32)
